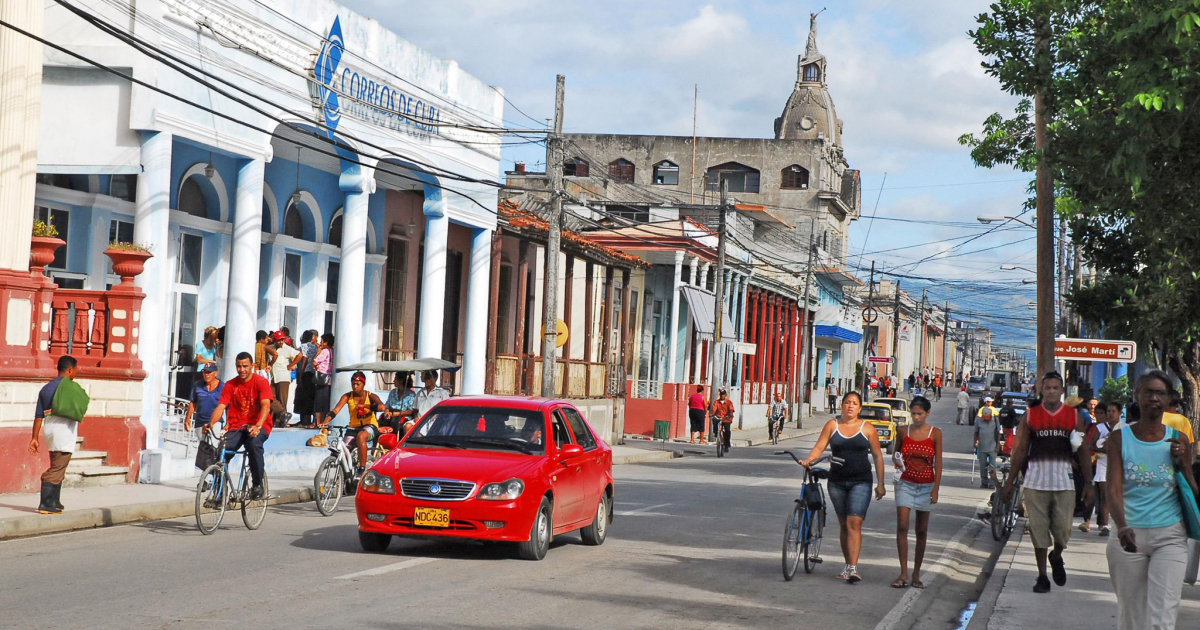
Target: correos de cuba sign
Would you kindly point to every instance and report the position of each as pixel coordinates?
(342, 88)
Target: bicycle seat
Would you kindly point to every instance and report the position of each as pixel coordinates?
(819, 473)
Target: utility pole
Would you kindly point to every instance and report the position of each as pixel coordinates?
(921, 350)
(806, 371)
(1045, 226)
(867, 346)
(719, 293)
(946, 345)
(554, 167)
(896, 332)
(692, 177)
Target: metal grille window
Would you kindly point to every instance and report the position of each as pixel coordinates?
(395, 294)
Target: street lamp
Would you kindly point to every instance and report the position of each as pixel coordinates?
(992, 218)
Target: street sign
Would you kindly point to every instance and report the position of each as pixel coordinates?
(1095, 350)
(741, 347)
(879, 359)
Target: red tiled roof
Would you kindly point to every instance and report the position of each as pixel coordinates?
(521, 219)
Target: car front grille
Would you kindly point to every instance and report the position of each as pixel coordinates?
(436, 489)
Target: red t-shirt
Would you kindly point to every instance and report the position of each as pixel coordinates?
(242, 400)
(696, 401)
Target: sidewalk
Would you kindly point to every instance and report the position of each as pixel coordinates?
(748, 437)
(1085, 603)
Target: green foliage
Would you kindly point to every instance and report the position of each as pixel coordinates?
(1115, 390)
(126, 246)
(44, 230)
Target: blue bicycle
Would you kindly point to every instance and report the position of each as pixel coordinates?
(215, 493)
(805, 525)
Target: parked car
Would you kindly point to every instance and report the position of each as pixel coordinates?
(494, 468)
(880, 417)
(900, 412)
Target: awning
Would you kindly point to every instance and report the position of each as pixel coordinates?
(702, 306)
(834, 322)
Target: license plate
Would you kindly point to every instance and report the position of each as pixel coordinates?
(431, 517)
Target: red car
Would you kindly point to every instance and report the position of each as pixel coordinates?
(495, 468)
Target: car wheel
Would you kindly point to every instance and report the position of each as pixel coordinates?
(595, 533)
(539, 535)
(374, 543)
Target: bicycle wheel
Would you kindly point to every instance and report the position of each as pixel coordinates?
(999, 517)
(212, 495)
(791, 542)
(1010, 522)
(254, 511)
(812, 546)
(327, 486)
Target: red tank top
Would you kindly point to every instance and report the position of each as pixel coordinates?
(918, 459)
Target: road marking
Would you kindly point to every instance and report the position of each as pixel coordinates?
(641, 510)
(763, 482)
(387, 568)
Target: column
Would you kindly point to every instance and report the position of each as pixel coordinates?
(694, 270)
(352, 273)
(371, 313)
(489, 386)
(703, 282)
(433, 282)
(475, 340)
(21, 94)
(673, 333)
(271, 257)
(97, 278)
(152, 224)
(241, 313)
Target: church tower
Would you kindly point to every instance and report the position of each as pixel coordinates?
(809, 113)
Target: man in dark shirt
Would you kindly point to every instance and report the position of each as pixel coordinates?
(248, 400)
(206, 395)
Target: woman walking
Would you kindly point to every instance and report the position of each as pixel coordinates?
(1108, 416)
(1147, 558)
(323, 378)
(855, 442)
(920, 460)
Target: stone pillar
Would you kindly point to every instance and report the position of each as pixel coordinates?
(433, 284)
(273, 261)
(352, 274)
(20, 117)
(703, 281)
(241, 311)
(673, 333)
(694, 271)
(152, 225)
(478, 284)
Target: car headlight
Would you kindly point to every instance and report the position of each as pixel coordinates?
(377, 483)
(502, 491)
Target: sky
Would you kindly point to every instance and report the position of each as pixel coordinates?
(904, 76)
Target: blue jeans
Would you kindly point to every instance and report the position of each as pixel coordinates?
(254, 451)
(850, 498)
(986, 459)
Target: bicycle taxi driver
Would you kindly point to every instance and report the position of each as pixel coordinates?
(364, 426)
(247, 398)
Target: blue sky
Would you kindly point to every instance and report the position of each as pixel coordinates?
(903, 74)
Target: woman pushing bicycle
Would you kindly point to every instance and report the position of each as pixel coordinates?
(850, 484)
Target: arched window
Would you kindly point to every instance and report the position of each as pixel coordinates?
(621, 170)
(812, 73)
(335, 231)
(576, 167)
(191, 199)
(293, 221)
(741, 178)
(666, 173)
(794, 177)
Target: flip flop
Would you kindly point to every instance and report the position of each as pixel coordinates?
(900, 583)
(918, 584)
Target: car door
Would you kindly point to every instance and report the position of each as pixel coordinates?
(592, 467)
(568, 477)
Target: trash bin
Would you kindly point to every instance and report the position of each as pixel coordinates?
(662, 430)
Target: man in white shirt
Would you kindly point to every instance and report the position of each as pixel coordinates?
(964, 405)
(431, 394)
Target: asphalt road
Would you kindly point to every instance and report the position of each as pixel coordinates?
(695, 544)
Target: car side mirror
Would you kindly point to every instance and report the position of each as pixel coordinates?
(570, 450)
(388, 441)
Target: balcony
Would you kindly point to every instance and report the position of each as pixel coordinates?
(99, 328)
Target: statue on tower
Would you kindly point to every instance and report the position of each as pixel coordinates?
(811, 48)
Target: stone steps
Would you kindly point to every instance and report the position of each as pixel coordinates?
(87, 469)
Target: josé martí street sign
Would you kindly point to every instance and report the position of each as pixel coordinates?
(1095, 350)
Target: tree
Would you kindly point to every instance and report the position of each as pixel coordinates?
(1121, 79)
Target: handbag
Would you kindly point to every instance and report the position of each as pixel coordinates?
(323, 379)
(1191, 512)
(206, 453)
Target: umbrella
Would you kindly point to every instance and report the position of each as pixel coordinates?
(412, 365)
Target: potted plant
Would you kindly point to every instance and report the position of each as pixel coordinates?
(42, 246)
(128, 260)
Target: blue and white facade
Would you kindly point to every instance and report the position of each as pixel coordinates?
(837, 332)
(330, 198)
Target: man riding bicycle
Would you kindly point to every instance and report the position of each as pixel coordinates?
(776, 414)
(722, 412)
(247, 398)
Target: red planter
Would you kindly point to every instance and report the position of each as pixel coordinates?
(127, 263)
(41, 252)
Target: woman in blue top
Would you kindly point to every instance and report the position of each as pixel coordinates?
(1146, 560)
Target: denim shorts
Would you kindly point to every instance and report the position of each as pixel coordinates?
(850, 498)
(914, 496)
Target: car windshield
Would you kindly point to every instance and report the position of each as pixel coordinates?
(481, 428)
(876, 414)
(894, 403)
(999, 379)
(975, 380)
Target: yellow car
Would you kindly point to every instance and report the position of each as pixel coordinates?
(900, 412)
(880, 417)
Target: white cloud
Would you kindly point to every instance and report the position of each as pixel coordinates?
(695, 37)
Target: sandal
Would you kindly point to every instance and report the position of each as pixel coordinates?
(845, 574)
(854, 578)
(900, 583)
(1085, 527)
(918, 584)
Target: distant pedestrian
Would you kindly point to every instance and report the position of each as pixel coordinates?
(401, 405)
(1044, 444)
(722, 412)
(61, 406)
(777, 413)
(697, 414)
(1172, 418)
(1108, 416)
(204, 399)
(987, 442)
(912, 381)
(937, 387)
(208, 348)
(287, 359)
(1148, 557)
(264, 354)
(964, 406)
(919, 459)
(323, 379)
(831, 394)
(429, 396)
(849, 484)
(306, 387)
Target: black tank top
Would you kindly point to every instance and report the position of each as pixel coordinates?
(856, 453)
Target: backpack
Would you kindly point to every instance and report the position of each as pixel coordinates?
(70, 401)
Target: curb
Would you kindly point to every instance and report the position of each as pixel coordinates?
(649, 456)
(996, 582)
(92, 518)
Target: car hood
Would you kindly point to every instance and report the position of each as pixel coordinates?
(468, 465)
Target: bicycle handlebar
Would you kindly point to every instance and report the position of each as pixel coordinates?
(837, 461)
